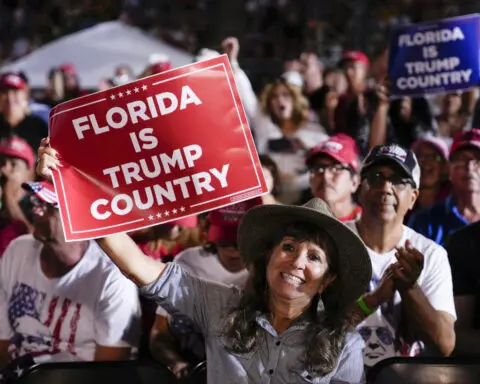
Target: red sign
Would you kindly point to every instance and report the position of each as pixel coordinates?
(154, 150)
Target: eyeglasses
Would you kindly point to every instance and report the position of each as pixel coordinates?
(465, 162)
(429, 158)
(378, 180)
(334, 169)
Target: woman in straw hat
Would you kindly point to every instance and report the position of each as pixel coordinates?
(291, 324)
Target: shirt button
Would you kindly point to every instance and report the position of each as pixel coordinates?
(277, 343)
(270, 371)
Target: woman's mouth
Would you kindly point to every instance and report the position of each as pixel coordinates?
(291, 279)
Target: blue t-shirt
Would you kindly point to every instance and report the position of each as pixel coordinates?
(439, 221)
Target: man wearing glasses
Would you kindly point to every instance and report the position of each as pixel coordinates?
(416, 301)
(62, 301)
(333, 167)
(462, 207)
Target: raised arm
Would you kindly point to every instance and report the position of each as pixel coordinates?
(131, 261)
(121, 249)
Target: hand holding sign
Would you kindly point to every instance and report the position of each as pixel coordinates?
(151, 151)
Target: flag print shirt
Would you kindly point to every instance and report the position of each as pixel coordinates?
(64, 318)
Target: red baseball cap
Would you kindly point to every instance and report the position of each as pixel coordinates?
(354, 56)
(44, 190)
(12, 81)
(17, 147)
(470, 138)
(68, 68)
(340, 147)
(224, 221)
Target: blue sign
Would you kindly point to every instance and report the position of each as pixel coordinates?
(433, 57)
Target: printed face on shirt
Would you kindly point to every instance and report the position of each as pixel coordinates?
(385, 194)
(379, 342)
(331, 181)
(281, 102)
(431, 165)
(297, 269)
(465, 170)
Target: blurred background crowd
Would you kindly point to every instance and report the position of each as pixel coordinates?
(312, 79)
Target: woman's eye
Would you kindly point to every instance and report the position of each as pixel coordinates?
(314, 257)
(288, 247)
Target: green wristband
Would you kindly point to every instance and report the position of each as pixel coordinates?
(364, 307)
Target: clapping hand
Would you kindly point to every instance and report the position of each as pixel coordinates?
(409, 267)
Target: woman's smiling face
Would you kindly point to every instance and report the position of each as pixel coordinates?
(297, 269)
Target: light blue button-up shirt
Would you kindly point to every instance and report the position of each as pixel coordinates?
(277, 359)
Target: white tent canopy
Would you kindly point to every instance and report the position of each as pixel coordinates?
(96, 52)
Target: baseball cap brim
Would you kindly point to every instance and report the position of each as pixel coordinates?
(43, 190)
(464, 145)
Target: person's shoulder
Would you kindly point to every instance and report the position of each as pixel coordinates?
(24, 242)
(426, 246)
(21, 250)
(433, 215)
(97, 264)
(469, 232)
(188, 253)
(418, 240)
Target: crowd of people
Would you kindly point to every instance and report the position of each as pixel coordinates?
(364, 247)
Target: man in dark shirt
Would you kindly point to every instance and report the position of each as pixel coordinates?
(15, 119)
(463, 252)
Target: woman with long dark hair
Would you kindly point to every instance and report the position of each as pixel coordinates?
(292, 322)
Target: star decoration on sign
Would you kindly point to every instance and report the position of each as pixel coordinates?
(136, 90)
(120, 94)
(128, 92)
(144, 87)
(182, 209)
(166, 213)
(159, 215)
(112, 97)
(150, 217)
(174, 211)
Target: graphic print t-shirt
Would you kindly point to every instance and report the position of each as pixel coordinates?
(64, 318)
(379, 329)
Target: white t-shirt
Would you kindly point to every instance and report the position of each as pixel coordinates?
(65, 318)
(379, 329)
(207, 266)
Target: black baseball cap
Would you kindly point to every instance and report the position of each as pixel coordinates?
(397, 155)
